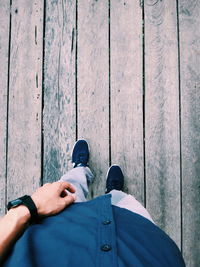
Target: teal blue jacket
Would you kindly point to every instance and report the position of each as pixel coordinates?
(94, 233)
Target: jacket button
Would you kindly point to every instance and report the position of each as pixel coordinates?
(106, 247)
(106, 222)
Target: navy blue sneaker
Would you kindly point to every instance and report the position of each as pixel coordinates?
(115, 179)
(80, 153)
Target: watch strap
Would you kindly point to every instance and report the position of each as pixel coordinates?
(29, 203)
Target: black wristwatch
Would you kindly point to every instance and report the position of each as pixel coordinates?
(28, 202)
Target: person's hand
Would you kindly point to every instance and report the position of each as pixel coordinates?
(53, 198)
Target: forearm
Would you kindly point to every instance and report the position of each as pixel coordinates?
(49, 200)
(11, 226)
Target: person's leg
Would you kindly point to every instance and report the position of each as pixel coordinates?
(114, 186)
(80, 178)
(126, 201)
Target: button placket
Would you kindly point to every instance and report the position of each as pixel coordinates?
(107, 238)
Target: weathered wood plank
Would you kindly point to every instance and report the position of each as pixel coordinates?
(189, 21)
(59, 88)
(127, 94)
(25, 92)
(93, 85)
(162, 116)
(4, 46)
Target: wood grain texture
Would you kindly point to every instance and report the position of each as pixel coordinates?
(4, 47)
(189, 21)
(59, 88)
(127, 94)
(93, 86)
(162, 116)
(25, 92)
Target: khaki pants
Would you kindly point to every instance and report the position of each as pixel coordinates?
(81, 177)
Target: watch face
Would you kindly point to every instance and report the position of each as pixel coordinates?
(14, 203)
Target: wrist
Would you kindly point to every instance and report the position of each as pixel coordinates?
(20, 213)
(26, 201)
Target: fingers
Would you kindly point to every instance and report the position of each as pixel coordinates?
(64, 193)
(67, 200)
(65, 185)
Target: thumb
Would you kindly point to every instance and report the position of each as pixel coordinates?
(69, 199)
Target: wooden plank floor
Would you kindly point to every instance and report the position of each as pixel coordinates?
(123, 75)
